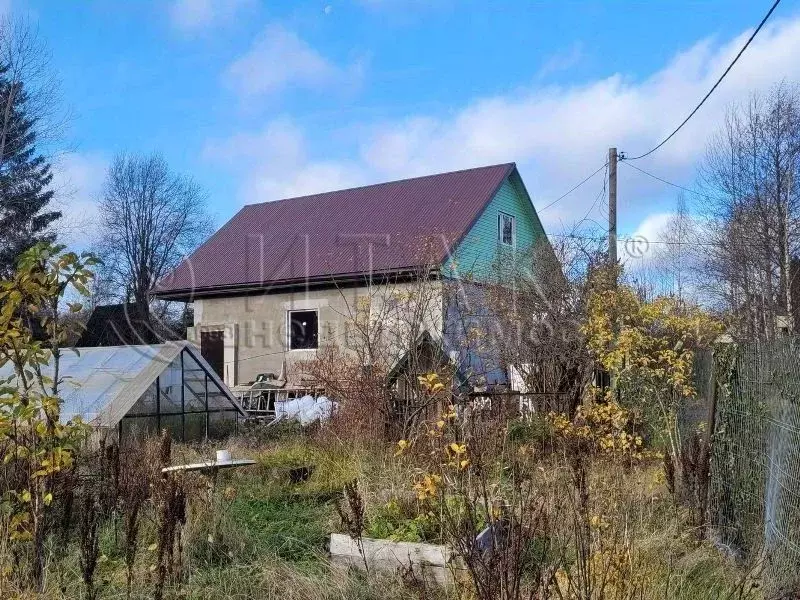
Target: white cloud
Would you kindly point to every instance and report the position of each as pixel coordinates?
(193, 16)
(274, 163)
(308, 178)
(559, 134)
(562, 61)
(281, 144)
(78, 182)
(278, 59)
(556, 134)
(642, 244)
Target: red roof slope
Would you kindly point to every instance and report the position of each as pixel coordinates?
(380, 228)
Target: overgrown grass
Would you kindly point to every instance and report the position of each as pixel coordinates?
(265, 535)
(288, 528)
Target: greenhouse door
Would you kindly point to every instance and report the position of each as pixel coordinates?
(212, 347)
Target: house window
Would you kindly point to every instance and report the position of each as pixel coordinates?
(303, 329)
(506, 229)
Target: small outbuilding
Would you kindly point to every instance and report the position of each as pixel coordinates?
(145, 388)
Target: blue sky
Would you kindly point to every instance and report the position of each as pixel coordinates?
(263, 100)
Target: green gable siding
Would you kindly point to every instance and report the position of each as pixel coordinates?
(477, 252)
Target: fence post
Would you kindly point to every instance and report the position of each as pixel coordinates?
(705, 492)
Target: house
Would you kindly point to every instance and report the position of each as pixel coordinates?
(282, 279)
(144, 388)
(115, 325)
(123, 325)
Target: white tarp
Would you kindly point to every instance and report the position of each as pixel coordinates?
(306, 410)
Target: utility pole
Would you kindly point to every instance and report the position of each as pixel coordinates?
(612, 207)
(612, 248)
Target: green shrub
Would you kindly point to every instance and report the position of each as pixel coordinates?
(287, 456)
(535, 430)
(400, 522)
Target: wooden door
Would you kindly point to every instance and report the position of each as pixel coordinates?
(212, 347)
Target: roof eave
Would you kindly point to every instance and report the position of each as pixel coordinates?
(285, 285)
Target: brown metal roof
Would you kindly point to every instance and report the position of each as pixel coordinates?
(382, 228)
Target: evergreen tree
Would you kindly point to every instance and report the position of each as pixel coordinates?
(25, 177)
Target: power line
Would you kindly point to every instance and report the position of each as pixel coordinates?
(643, 240)
(675, 185)
(594, 204)
(562, 196)
(711, 91)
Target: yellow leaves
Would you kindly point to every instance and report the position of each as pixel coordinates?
(428, 486)
(456, 455)
(431, 383)
(603, 425)
(402, 446)
(48, 499)
(19, 525)
(457, 449)
(598, 522)
(653, 340)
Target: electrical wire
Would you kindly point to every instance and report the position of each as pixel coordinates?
(562, 196)
(594, 204)
(711, 91)
(648, 241)
(675, 185)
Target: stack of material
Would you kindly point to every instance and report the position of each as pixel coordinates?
(306, 410)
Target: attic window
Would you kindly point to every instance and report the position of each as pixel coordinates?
(506, 229)
(303, 330)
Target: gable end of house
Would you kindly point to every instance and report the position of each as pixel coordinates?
(507, 223)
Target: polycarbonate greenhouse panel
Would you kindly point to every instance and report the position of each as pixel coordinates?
(102, 385)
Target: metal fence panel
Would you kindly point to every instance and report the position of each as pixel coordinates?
(754, 487)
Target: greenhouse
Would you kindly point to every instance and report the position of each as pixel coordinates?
(146, 389)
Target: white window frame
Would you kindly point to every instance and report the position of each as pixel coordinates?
(500, 216)
(289, 329)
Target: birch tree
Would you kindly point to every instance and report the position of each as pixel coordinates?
(753, 212)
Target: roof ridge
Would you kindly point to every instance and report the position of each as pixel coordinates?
(164, 343)
(383, 183)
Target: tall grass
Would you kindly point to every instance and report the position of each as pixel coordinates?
(265, 536)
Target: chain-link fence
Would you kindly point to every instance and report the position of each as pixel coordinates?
(749, 395)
